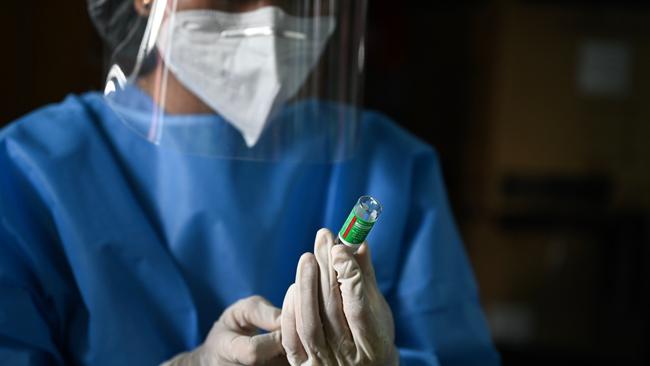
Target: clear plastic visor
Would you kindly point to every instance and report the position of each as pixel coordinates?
(254, 80)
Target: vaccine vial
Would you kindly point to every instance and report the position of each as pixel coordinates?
(359, 222)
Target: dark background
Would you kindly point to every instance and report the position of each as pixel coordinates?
(548, 174)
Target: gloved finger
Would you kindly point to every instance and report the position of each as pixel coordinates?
(351, 282)
(290, 340)
(251, 313)
(365, 262)
(322, 245)
(337, 334)
(245, 350)
(308, 321)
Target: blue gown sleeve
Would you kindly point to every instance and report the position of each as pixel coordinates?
(438, 317)
(27, 316)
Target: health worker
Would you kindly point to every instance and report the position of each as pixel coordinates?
(175, 217)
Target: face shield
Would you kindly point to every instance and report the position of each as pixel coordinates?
(240, 79)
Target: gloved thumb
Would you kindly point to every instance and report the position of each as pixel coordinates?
(252, 313)
(256, 349)
(351, 280)
(365, 262)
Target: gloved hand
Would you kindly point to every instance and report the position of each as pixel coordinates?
(234, 340)
(334, 314)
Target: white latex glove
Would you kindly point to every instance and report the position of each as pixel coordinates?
(234, 338)
(334, 314)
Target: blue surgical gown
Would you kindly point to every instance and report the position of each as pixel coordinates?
(116, 252)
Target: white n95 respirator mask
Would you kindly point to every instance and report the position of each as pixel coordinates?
(243, 65)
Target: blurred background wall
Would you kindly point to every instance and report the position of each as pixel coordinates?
(540, 111)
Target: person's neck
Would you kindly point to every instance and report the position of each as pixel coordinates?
(171, 94)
